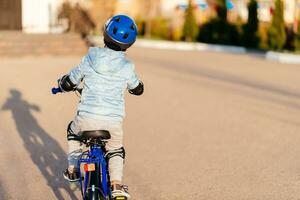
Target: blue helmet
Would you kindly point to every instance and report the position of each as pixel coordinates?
(120, 31)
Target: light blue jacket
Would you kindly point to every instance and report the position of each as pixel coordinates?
(106, 74)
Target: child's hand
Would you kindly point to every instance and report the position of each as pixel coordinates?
(65, 84)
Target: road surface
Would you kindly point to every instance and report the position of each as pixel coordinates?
(209, 126)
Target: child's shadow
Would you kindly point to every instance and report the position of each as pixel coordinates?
(45, 152)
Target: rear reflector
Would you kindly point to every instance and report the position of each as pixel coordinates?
(89, 167)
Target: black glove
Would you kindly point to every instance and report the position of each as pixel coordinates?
(138, 90)
(65, 84)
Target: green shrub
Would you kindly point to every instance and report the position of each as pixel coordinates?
(177, 34)
(250, 30)
(263, 35)
(218, 31)
(190, 27)
(160, 28)
(141, 24)
(221, 10)
(276, 33)
(297, 38)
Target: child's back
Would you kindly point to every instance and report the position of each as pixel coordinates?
(107, 73)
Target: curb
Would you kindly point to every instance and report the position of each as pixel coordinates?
(287, 58)
(183, 46)
(283, 57)
(188, 46)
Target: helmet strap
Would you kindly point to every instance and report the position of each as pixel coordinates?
(113, 46)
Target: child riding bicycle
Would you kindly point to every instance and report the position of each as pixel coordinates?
(105, 74)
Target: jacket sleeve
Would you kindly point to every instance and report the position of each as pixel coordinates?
(77, 74)
(133, 81)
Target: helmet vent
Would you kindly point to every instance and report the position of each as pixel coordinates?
(118, 19)
(115, 29)
(125, 36)
(132, 27)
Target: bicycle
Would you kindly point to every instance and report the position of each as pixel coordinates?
(95, 184)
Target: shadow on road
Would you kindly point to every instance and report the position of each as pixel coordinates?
(3, 194)
(45, 152)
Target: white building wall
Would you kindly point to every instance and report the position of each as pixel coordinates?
(38, 15)
(264, 14)
(289, 11)
(168, 6)
(264, 7)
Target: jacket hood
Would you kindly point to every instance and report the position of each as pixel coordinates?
(105, 59)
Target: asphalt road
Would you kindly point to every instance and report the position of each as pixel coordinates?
(210, 126)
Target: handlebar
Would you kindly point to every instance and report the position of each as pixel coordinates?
(56, 90)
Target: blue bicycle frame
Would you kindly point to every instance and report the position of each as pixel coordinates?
(95, 155)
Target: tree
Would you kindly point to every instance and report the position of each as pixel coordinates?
(151, 10)
(78, 18)
(221, 10)
(276, 33)
(218, 30)
(297, 37)
(250, 30)
(190, 27)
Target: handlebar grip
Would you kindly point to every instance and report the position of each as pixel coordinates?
(56, 90)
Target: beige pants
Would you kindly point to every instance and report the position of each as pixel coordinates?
(115, 128)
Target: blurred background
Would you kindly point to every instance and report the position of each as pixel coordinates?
(264, 24)
(217, 120)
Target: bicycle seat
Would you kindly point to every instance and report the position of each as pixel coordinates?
(96, 134)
